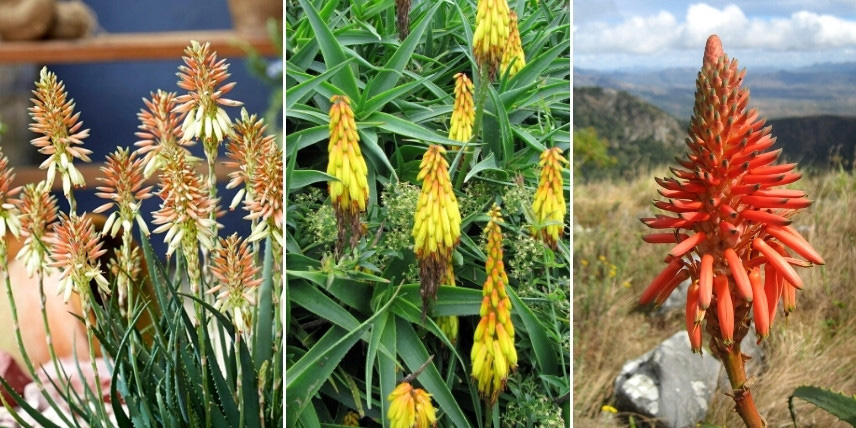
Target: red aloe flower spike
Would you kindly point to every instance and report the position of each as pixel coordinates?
(759, 304)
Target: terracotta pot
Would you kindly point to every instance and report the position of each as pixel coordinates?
(251, 16)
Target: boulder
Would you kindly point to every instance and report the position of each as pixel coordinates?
(669, 383)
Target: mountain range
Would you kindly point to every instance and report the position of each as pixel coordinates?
(821, 89)
(640, 133)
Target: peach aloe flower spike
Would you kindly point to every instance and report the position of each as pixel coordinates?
(729, 221)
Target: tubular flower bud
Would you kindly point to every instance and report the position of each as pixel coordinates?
(464, 113)
(350, 193)
(493, 354)
(549, 204)
(513, 55)
(437, 223)
(410, 407)
(491, 34)
(730, 219)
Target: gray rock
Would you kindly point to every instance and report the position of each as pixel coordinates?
(669, 383)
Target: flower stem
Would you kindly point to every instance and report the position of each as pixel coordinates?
(733, 361)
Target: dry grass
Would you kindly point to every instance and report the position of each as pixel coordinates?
(612, 266)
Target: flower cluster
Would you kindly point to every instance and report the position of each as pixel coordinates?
(410, 407)
(38, 210)
(236, 281)
(513, 56)
(493, 354)
(729, 218)
(158, 129)
(266, 188)
(9, 215)
(246, 147)
(437, 223)
(54, 117)
(549, 204)
(123, 186)
(350, 191)
(75, 249)
(491, 34)
(464, 114)
(185, 211)
(200, 107)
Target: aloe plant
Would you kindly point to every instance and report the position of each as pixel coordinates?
(837, 404)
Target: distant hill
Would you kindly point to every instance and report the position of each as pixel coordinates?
(822, 89)
(640, 134)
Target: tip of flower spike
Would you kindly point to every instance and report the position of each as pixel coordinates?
(713, 49)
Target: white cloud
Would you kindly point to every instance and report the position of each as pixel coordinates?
(803, 31)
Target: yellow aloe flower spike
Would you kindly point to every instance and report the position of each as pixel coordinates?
(513, 55)
(493, 354)
(449, 324)
(437, 223)
(410, 407)
(464, 113)
(549, 204)
(491, 34)
(350, 193)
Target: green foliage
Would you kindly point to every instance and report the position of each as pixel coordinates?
(836, 403)
(591, 151)
(353, 321)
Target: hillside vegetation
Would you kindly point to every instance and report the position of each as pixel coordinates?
(612, 266)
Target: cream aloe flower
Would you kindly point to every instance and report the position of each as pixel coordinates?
(53, 117)
(75, 249)
(158, 129)
(236, 281)
(38, 210)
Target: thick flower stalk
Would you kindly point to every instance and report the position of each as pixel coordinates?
(159, 128)
(491, 34)
(513, 56)
(493, 355)
(437, 223)
(245, 148)
(729, 223)
(185, 212)
(75, 249)
(402, 18)
(123, 187)
(350, 191)
(549, 204)
(236, 282)
(38, 211)
(464, 113)
(201, 75)
(10, 220)
(54, 118)
(410, 407)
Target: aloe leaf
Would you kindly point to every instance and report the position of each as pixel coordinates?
(332, 52)
(535, 68)
(263, 345)
(295, 94)
(837, 404)
(387, 78)
(406, 128)
(545, 349)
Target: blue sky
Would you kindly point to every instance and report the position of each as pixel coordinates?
(628, 34)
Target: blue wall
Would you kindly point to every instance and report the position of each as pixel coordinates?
(109, 95)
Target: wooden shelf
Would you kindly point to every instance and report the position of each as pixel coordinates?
(132, 47)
